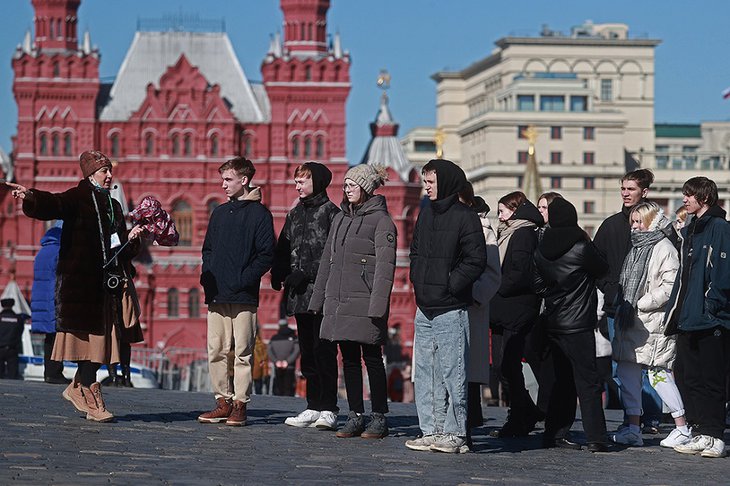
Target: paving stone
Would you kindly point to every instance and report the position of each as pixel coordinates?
(156, 439)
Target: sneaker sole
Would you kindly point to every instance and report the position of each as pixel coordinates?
(687, 451)
(235, 424)
(104, 420)
(299, 425)
(374, 436)
(418, 448)
(324, 427)
(446, 450)
(713, 455)
(212, 420)
(346, 436)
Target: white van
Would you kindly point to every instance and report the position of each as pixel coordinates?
(30, 364)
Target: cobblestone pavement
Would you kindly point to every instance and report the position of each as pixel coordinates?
(156, 440)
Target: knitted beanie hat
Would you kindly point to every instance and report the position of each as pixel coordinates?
(367, 177)
(562, 214)
(93, 160)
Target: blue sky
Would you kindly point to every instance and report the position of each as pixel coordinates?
(415, 38)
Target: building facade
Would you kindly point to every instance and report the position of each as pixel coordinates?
(590, 96)
(179, 106)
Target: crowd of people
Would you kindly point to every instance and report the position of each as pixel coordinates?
(647, 297)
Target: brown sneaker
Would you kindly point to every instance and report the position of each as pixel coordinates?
(95, 401)
(238, 415)
(73, 394)
(220, 414)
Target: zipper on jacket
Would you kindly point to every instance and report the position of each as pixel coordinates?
(364, 275)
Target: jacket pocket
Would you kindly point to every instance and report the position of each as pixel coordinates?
(364, 274)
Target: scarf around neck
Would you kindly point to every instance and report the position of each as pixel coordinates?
(635, 267)
(506, 229)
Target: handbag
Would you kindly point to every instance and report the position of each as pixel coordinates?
(131, 312)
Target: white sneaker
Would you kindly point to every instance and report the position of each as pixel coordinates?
(698, 444)
(423, 443)
(450, 444)
(304, 419)
(676, 438)
(626, 437)
(717, 449)
(327, 420)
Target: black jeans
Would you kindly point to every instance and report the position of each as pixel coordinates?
(704, 360)
(352, 356)
(495, 374)
(513, 348)
(9, 356)
(284, 382)
(51, 369)
(318, 363)
(576, 376)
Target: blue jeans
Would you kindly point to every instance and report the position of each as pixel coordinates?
(441, 348)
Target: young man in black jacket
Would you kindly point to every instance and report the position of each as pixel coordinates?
(237, 251)
(448, 254)
(298, 253)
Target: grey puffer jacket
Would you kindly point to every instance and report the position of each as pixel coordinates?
(355, 276)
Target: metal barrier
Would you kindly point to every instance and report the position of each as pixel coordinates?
(183, 369)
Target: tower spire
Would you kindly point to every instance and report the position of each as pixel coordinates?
(531, 185)
(55, 24)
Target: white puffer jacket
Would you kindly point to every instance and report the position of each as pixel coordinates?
(645, 342)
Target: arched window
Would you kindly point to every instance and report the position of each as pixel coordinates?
(295, 147)
(175, 145)
(188, 144)
(59, 32)
(212, 204)
(194, 303)
(319, 150)
(52, 26)
(307, 147)
(67, 144)
(56, 69)
(115, 145)
(182, 214)
(248, 146)
(55, 144)
(214, 145)
(173, 299)
(43, 149)
(149, 144)
(308, 73)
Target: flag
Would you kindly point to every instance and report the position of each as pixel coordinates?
(726, 93)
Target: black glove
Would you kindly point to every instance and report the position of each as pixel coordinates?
(295, 279)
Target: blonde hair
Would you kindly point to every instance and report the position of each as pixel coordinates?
(681, 213)
(647, 212)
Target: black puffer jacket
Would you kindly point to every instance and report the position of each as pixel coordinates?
(448, 252)
(566, 281)
(516, 305)
(613, 240)
(238, 249)
(355, 276)
(302, 241)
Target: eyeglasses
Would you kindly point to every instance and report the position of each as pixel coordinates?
(350, 187)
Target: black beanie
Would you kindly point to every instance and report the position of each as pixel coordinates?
(321, 176)
(562, 214)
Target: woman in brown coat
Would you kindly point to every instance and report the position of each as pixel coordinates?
(88, 311)
(353, 287)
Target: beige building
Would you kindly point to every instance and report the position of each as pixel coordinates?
(590, 95)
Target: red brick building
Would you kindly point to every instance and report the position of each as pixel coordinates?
(179, 106)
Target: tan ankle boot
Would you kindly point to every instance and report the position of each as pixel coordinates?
(73, 394)
(95, 401)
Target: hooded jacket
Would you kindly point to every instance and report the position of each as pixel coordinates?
(516, 305)
(83, 305)
(238, 250)
(302, 240)
(448, 252)
(567, 282)
(355, 276)
(700, 297)
(43, 296)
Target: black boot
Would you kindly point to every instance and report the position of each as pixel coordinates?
(126, 377)
(377, 428)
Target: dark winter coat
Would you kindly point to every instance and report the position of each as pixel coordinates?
(83, 304)
(284, 346)
(700, 297)
(11, 329)
(238, 250)
(300, 247)
(567, 282)
(43, 302)
(516, 306)
(613, 240)
(448, 251)
(355, 276)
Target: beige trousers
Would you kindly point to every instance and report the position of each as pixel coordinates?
(231, 327)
